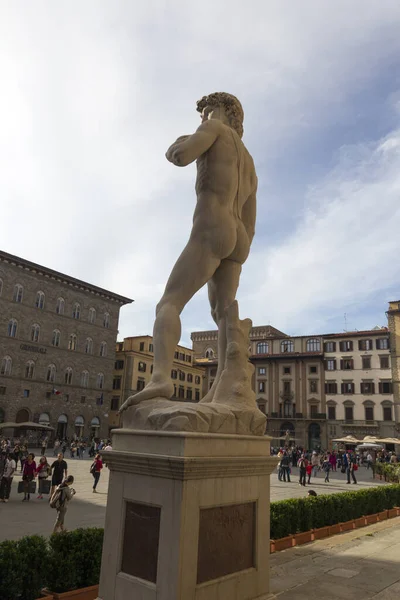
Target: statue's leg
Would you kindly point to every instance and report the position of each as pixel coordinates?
(222, 290)
(195, 266)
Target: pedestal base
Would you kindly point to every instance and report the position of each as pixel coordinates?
(187, 517)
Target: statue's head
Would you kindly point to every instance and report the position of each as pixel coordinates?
(229, 104)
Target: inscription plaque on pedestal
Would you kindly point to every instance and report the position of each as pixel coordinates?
(226, 540)
(141, 539)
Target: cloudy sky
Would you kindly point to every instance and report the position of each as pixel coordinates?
(93, 93)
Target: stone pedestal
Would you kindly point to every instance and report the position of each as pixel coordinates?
(187, 517)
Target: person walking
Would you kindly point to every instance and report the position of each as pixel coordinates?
(285, 467)
(56, 447)
(309, 470)
(28, 475)
(315, 464)
(95, 469)
(369, 461)
(59, 470)
(23, 456)
(9, 469)
(43, 471)
(350, 468)
(60, 499)
(45, 441)
(326, 467)
(333, 460)
(302, 464)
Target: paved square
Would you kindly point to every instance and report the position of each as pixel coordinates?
(88, 510)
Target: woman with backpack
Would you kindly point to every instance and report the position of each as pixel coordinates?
(59, 500)
(95, 470)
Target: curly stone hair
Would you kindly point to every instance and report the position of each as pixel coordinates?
(231, 105)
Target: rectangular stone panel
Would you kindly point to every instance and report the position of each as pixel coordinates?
(226, 540)
(141, 539)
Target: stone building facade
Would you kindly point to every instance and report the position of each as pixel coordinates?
(57, 348)
(317, 387)
(134, 366)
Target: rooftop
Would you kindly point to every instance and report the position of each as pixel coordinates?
(56, 275)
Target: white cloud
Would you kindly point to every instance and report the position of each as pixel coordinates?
(344, 250)
(94, 92)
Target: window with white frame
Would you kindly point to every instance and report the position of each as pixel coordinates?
(85, 379)
(6, 366)
(68, 375)
(100, 381)
(35, 332)
(89, 346)
(55, 340)
(106, 320)
(12, 328)
(72, 342)
(40, 300)
(18, 293)
(29, 369)
(92, 315)
(60, 306)
(51, 373)
(76, 311)
(103, 349)
(287, 346)
(262, 348)
(313, 345)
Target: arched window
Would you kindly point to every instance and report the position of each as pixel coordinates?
(262, 348)
(60, 306)
(84, 379)
(40, 300)
(287, 346)
(100, 381)
(55, 340)
(68, 375)
(103, 349)
(92, 315)
(1, 289)
(29, 369)
(89, 346)
(18, 293)
(12, 328)
(106, 320)
(44, 419)
(313, 345)
(209, 353)
(6, 366)
(51, 373)
(76, 311)
(35, 332)
(72, 342)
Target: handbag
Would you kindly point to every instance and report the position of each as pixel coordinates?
(355, 467)
(45, 486)
(31, 487)
(343, 469)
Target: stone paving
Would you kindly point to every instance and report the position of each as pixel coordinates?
(88, 510)
(358, 565)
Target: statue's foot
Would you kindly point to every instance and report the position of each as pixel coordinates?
(162, 389)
